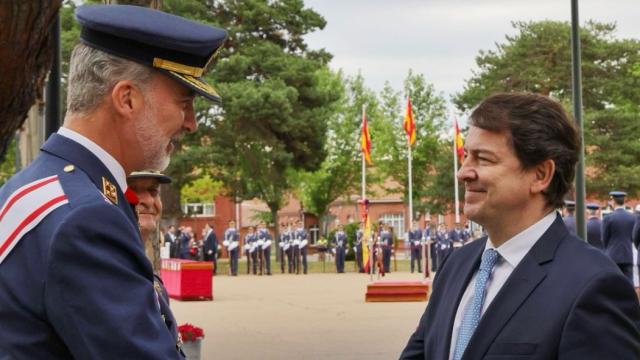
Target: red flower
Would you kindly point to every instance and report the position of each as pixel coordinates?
(189, 332)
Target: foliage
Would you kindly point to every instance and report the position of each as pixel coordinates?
(429, 116)
(538, 59)
(8, 165)
(202, 189)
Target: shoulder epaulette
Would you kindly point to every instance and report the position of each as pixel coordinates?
(25, 208)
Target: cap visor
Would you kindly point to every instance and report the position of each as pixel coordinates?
(197, 85)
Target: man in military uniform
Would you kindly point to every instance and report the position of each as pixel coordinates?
(357, 247)
(386, 243)
(283, 244)
(231, 241)
(415, 244)
(146, 186)
(443, 245)
(264, 247)
(250, 247)
(73, 272)
(617, 229)
(210, 246)
(170, 238)
(569, 217)
(429, 238)
(340, 243)
(300, 247)
(594, 226)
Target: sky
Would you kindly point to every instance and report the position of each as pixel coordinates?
(440, 39)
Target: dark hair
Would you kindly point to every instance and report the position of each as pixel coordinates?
(538, 129)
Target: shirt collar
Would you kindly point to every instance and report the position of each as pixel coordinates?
(514, 249)
(112, 164)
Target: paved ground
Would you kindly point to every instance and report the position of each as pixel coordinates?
(315, 316)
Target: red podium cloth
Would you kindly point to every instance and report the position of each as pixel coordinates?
(187, 279)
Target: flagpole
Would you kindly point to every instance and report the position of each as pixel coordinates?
(410, 186)
(455, 171)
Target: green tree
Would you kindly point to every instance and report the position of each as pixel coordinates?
(429, 117)
(339, 173)
(538, 59)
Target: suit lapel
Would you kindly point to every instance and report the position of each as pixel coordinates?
(521, 283)
(84, 159)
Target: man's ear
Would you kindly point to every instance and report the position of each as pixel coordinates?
(127, 98)
(543, 173)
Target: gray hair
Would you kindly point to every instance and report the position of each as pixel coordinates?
(93, 73)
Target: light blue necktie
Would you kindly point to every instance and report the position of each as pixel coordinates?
(472, 313)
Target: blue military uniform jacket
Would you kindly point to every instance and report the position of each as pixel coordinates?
(594, 232)
(617, 230)
(340, 239)
(78, 284)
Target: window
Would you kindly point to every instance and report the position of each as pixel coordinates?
(396, 221)
(199, 209)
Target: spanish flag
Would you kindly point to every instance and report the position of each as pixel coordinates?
(365, 245)
(409, 124)
(365, 140)
(459, 142)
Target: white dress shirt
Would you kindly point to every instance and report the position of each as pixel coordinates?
(112, 164)
(511, 253)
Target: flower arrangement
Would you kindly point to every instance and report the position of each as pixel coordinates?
(189, 332)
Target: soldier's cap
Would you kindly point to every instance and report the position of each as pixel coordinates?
(178, 47)
(637, 209)
(162, 178)
(570, 204)
(593, 206)
(617, 193)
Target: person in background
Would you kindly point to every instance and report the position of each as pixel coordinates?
(210, 247)
(617, 232)
(569, 217)
(231, 242)
(264, 243)
(146, 186)
(415, 244)
(594, 226)
(339, 244)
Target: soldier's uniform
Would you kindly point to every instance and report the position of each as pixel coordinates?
(443, 246)
(231, 241)
(429, 237)
(340, 244)
(415, 243)
(285, 250)
(617, 229)
(386, 243)
(251, 251)
(594, 227)
(75, 281)
(358, 250)
(264, 244)
(569, 218)
(300, 249)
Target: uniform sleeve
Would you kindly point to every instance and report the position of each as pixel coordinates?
(604, 322)
(99, 291)
(605, 232)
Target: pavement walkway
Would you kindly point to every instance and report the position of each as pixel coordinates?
(315, 316)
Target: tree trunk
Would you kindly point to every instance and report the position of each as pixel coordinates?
(25, 59)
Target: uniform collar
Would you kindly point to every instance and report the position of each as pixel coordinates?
(109, 161)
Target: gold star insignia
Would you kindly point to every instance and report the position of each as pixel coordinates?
(109, 190)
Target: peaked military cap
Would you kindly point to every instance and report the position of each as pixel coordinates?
(570, 204)
(162, 178)
(178, 47)
(618, 194)
(593, 206)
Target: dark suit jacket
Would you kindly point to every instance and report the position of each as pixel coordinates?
(564, 300)
(617, 229)
(211, 243)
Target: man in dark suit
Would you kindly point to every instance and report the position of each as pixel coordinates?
(210, 246)
(617, 230)
(75, 281)
(530, 289)
(594, 226)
